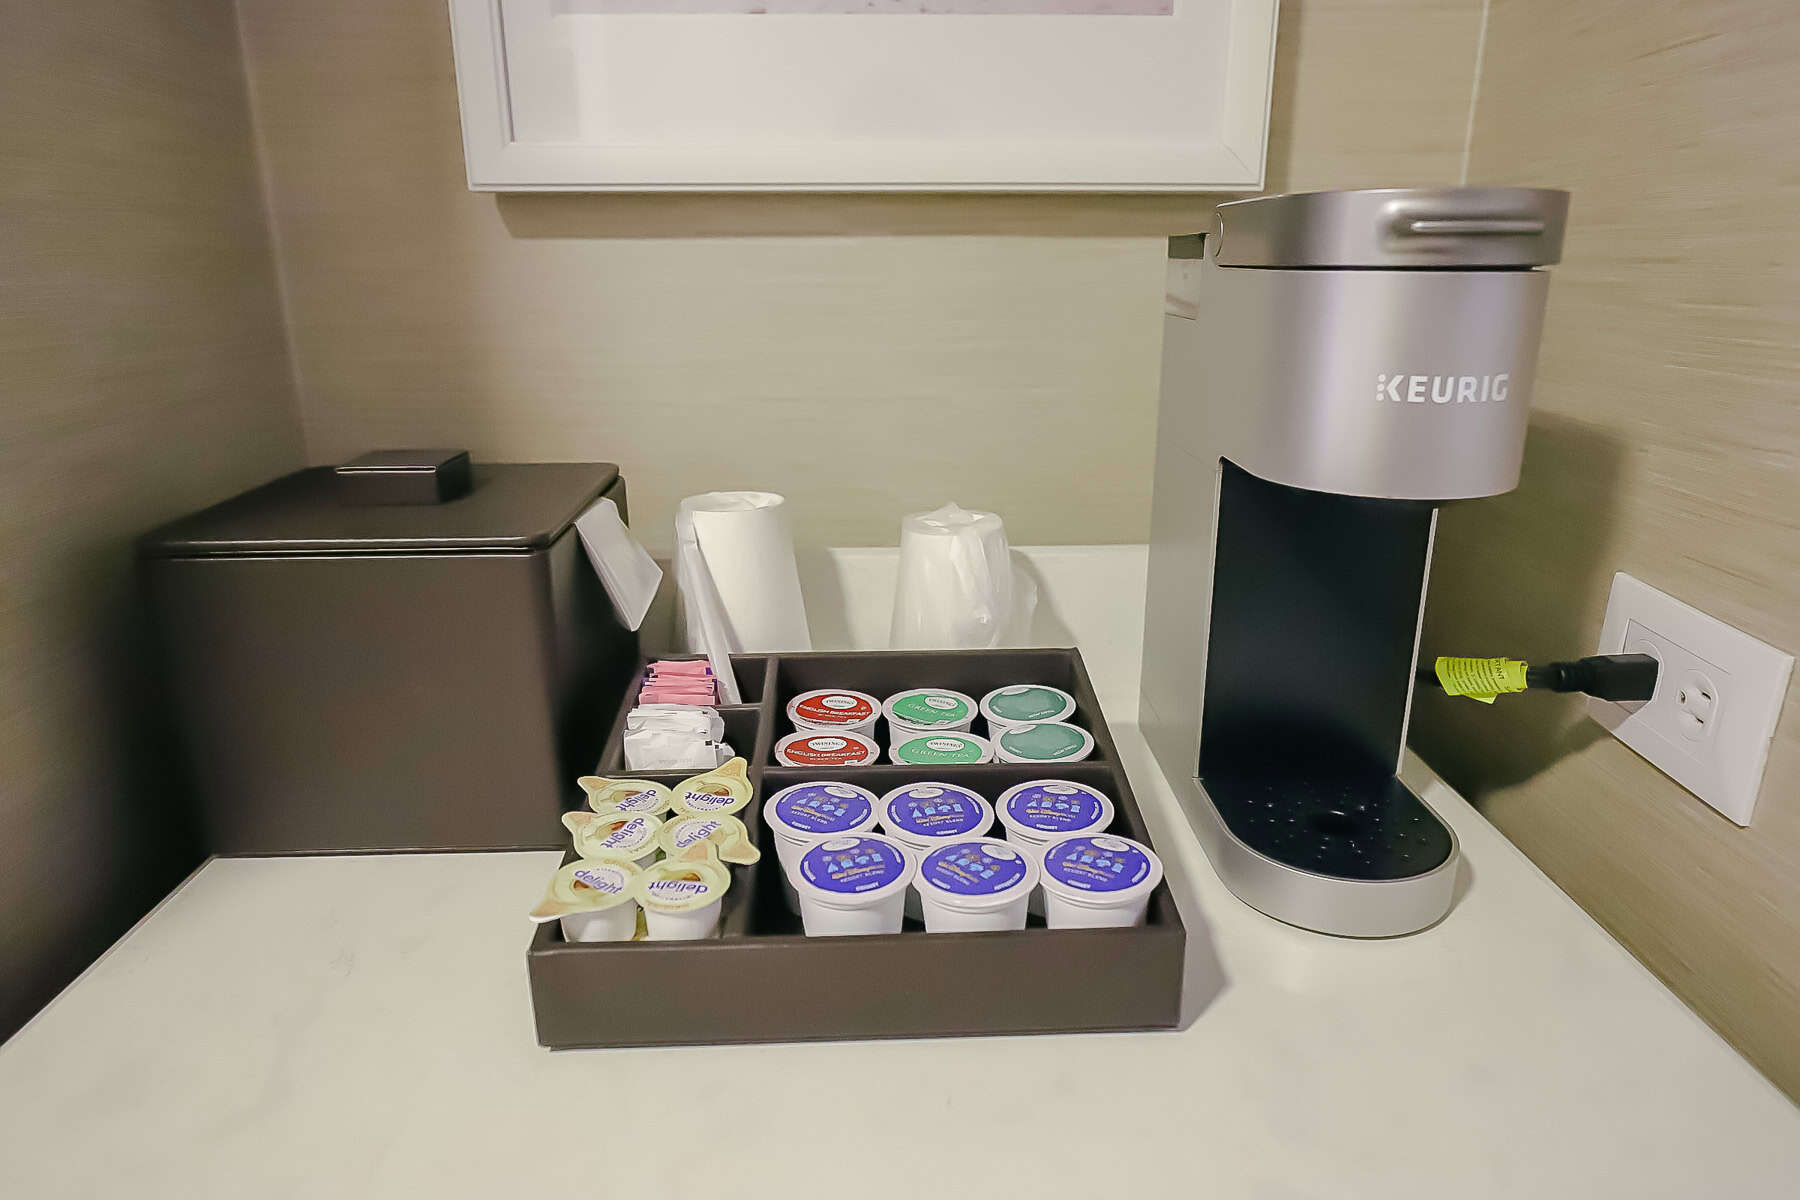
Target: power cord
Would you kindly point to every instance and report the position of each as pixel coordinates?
(1621, 677)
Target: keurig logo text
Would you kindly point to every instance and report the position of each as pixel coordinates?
(1442, 389)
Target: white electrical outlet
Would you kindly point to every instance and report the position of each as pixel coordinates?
(1718, 694)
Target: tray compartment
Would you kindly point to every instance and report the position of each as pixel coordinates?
(973, 672)
(763, 980)
(744, 723)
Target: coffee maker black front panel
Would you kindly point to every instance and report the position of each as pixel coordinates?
(1309, 665)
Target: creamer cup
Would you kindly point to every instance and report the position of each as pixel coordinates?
(1046, 810)
(626, 795)
(922, 816)
(928, 710)
(614, 834)
(1025, 704)
(834, 709)
(595, 900)
(682, 900)
(1043, 742)
(827, 748)
(807, 813)
(854, 885)
(1097, 880)
(720, 838)
(975, 884)
(940, 749)
(722, 790)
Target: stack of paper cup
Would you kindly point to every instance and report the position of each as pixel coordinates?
(737, 587)
(955, 584)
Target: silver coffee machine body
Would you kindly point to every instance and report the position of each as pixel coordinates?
(1335, 365)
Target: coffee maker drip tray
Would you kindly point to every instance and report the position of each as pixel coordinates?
(1348, 827)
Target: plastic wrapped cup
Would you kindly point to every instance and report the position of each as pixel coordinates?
(1043, 742)
(1098, 880)
(854, 885)
(975, 884)
(834, 709)
(596, 901)
(1047, 810)
(808, 813)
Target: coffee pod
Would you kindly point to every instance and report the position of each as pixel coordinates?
(1097, 880)
(975, 884)
(922, 816)
(806, 813)
(1043, 811)
(854, 885)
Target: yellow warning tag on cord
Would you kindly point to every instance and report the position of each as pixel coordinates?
(1481, 678)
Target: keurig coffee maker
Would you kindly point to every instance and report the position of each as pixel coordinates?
(1335, 366)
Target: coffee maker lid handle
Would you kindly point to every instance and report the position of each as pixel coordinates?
(1394, 228)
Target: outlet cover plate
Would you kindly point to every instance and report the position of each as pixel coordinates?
(1718, 695)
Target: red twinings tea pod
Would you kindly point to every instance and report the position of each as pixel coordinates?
(834, 748)
(834, 708)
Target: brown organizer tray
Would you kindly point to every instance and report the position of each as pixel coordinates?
(763, 980)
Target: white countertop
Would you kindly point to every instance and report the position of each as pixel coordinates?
(360, 1026)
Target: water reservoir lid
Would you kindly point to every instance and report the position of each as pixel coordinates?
(1392, 228)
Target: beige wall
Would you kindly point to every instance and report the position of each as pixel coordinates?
(142, 373)
(1666, 443)
(999, 349)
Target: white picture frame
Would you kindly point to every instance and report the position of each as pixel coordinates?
(570, 95)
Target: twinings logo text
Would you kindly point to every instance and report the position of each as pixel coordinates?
(1443, 389)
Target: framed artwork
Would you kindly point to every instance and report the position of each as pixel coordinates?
(864, 95)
